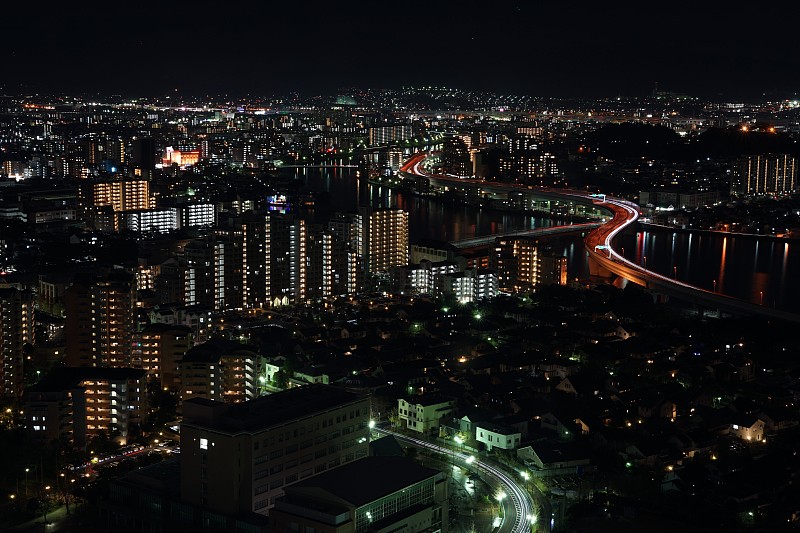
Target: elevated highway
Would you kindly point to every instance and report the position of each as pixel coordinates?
(536, 232)
(599, 244)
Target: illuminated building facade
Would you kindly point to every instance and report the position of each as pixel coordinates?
(120, 195)
(99, 320)
(765, 174)
(348, 252)
(82, 403)
(214, 272)
(158, 349)
(385, 239)
(197, 215)
(151, 220)
(523, 263)
(16, 330)
(390, 133)
(182, 158)
(220, 370)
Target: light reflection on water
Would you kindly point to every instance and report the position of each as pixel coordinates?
(743, 267)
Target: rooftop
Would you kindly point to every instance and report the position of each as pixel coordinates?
(267, 411)
(377, 477)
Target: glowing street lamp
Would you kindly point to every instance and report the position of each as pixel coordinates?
(500, 497)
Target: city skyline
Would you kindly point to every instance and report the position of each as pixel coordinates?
(512, 46)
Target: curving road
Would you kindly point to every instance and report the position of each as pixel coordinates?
(599, 243)
(518, 507)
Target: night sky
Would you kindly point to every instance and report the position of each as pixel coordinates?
(563, 48)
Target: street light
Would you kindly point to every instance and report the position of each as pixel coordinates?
(458, 440)
(500, 497)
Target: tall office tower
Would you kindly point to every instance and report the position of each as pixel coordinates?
(214, 273)
(157, 350)
(347, 253)
(100, 320)
(764, 174)
(523, 263)
(238, 457)
(385, 239)
(16, 330)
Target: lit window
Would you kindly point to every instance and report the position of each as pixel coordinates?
(203, 444)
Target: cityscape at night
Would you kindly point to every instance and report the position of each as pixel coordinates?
(411, 268)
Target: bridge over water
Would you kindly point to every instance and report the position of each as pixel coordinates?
(604, 260)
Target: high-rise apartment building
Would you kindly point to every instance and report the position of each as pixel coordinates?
(79, 404)
(389, 133)
(158, 349)
(214, 275)
(764, 174)
(385, 239)
(120, 195)
(16, 330)
(348, 252)
(238, 457)
(100, 320)
(221, 370)
(523, 263)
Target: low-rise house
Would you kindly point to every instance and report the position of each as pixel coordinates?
(423, 413)
(497, 436)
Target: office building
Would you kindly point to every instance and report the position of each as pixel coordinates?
(16, 330)
(391, 494)
(239, 457)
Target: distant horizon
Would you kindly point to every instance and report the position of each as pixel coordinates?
(567, 50)
(23, 90)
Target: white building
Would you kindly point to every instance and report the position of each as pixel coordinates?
(494, 436)
(423, 413)
(195, 215)
(152, 220)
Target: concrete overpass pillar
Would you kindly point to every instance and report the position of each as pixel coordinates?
(597, 270)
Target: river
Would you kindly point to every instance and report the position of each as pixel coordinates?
(758, 269)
